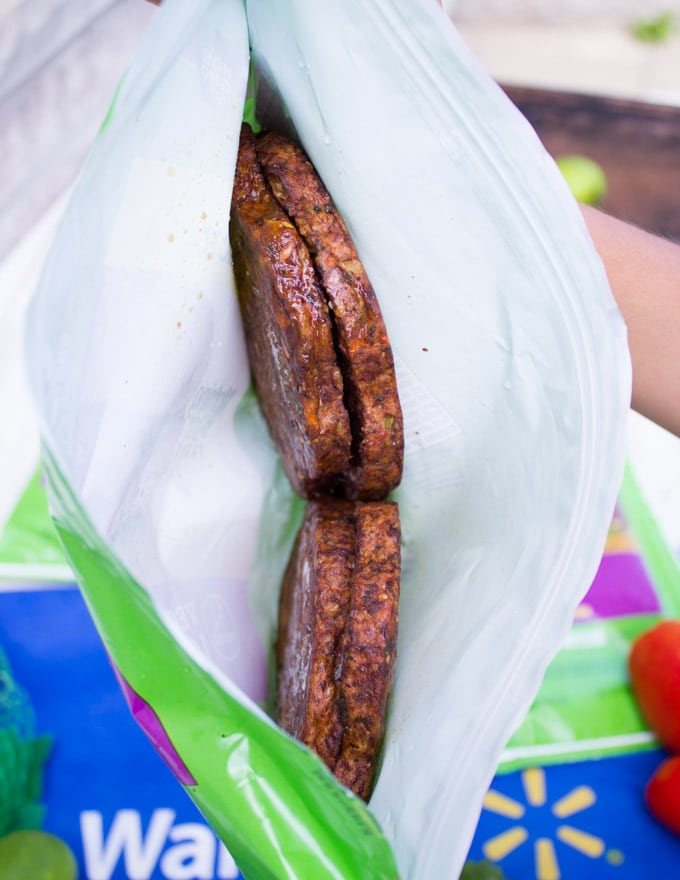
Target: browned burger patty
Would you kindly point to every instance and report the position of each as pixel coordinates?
(336, 647)
(288, 334)
(364, 351)
(364, 667)
(338, 430)
(315, 600)
(324, 373)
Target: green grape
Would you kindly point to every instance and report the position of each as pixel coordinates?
(36, 855)
(585, 178)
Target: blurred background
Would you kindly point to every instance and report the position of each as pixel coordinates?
(613, 47)
(61, 59)
(578, 12)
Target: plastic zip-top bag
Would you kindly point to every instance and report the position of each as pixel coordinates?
(513, 374)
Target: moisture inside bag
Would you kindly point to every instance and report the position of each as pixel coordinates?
(513, 375)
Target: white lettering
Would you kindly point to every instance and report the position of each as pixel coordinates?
(194, 859)
(226, 866)
(190, 855)
(140, 854)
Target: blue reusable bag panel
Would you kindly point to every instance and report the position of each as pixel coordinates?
(108, 794)
(580, 821)
(111, 798)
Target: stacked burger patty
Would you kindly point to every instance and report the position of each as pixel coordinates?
(324, 373)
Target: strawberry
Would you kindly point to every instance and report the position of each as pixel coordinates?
(654, 665)
(662, 794)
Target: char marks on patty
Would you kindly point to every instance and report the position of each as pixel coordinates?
(337, 639)
(364, 352)
(288, 334)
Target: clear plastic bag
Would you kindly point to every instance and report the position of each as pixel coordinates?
(513, 373)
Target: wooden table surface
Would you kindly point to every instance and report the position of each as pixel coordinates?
(637, 144)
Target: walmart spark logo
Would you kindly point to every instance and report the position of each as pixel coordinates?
(545, 856)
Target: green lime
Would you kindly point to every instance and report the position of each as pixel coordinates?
(585, 178)
(36, 855)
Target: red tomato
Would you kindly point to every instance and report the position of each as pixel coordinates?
(654, 665)
(662, 794)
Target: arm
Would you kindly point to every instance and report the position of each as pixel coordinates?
(644, 275)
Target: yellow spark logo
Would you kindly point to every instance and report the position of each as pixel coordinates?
(545, 857)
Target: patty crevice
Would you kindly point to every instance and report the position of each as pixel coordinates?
(337, 637)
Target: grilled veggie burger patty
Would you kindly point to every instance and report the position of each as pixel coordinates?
(338, 431)
(337, 637)
(288, 334)
(324, 373)
(364, 352)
